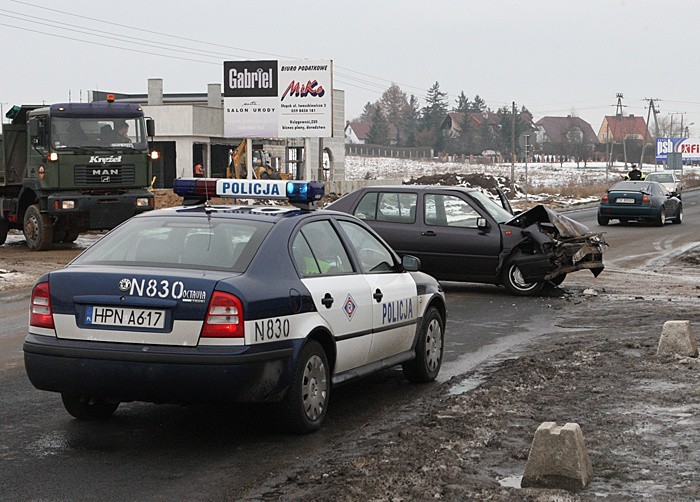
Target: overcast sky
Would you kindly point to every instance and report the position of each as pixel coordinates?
(553, 56)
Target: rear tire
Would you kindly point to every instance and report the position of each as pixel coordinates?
(661, 219)
(603, 220)
(512, 279)
(306, 402)
(679, 216)
(429, 349)
(84, 408)
(4, 228)
(38, 230)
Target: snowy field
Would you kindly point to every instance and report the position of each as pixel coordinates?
(538, 175)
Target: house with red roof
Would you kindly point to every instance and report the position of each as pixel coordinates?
(616, 128)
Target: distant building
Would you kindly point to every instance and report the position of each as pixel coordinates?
(190, 129)
(557, 130)
(615, 128)
(356, 133)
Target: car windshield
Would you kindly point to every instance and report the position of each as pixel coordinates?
(185, 242)
(495, 210)
(661, 177)
(94, 132)
(631, 186)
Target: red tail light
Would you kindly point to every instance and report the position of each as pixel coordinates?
(224, 318)
(646, 199)
(605, 198)
(40, 314)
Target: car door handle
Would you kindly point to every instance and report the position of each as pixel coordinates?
(429, 233)
(327, 301)
(378, 295)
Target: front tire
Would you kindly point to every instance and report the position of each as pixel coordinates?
(38, 230)
(306, 402)
(84, 408)
(429, 349)
(512, 279)
(603, 220)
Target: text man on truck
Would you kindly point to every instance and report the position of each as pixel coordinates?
(73, 167)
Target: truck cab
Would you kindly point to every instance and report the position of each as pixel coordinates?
(73, 167)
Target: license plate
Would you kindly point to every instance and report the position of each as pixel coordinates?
(624, 201)
(123, 316)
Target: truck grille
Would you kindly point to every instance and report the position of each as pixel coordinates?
(100, 175)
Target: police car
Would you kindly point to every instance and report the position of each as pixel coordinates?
(243, 303)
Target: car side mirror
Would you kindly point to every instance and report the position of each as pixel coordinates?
(481, 223)
(410, 263)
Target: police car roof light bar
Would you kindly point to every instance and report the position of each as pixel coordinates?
(302, 193)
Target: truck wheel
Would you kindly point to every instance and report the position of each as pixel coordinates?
(512, 279)
(4, 228)
(71, 235)
(88, 408)
(429, 348)
(38, 230)
(305, 405)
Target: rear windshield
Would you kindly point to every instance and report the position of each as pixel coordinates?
(632, 186)
(662, 178)
(189, 242)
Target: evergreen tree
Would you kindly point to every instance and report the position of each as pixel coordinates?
(366, 115)
(462, 103)
(478, 104)
(379, 129)
(433, 114)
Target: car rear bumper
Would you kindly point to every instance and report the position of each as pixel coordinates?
(629, 211)
(159, 374)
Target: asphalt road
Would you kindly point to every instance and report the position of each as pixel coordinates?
(160, 452)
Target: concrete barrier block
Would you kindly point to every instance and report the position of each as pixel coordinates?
(558, 458)
(676, 338)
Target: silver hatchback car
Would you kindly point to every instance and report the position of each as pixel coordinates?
(669, 179)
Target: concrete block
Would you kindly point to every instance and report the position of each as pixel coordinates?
(676, 338)
(558, 458)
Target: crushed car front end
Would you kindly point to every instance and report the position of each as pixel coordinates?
(545, 245)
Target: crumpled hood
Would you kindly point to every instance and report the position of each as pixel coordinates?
(566, 227)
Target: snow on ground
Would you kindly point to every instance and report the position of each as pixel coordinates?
(538, 175)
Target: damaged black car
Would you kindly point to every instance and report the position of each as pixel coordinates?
(462, 234)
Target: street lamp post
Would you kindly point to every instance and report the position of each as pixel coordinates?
(527, 152)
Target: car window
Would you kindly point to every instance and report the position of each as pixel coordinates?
(395, 207)
(318, 250)
(449, 211)
(367, 208)
(182, 242)
(373, 255)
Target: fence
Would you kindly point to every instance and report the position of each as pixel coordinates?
(396, 152)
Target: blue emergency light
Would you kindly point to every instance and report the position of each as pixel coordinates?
(300, 192)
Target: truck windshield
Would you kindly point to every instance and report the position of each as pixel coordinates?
(95, 132)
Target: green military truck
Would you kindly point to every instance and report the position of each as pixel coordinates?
(73, 167)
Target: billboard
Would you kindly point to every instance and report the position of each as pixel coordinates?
(278, 99)
(688, 148)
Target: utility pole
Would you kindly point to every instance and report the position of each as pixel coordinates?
(512, 153)
(527, 152)
(646, 134)
(621, 121)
